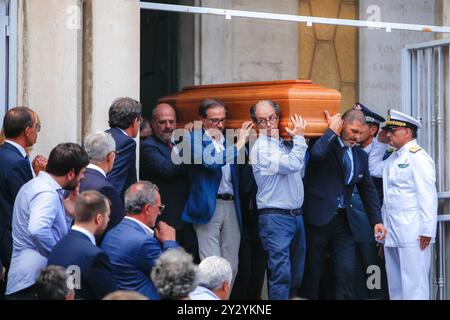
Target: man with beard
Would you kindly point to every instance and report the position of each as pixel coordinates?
(42, 216)
(335, 166)
(156, 166)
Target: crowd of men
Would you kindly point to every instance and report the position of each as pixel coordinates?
(318, 215)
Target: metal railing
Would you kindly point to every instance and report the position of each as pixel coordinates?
(425, 92)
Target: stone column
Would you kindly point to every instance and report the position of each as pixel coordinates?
(49, 61)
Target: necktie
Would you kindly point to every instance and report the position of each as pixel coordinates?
(387, 154)
(347, 166)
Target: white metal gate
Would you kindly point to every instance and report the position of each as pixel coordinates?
(425, 95)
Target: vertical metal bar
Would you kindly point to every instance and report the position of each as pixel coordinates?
(414, 101)
(416, 109)
(3, 58)
(406, 81)
(441, 282)
(431, 122)
(440, 122)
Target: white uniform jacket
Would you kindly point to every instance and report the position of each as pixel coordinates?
(410, 197)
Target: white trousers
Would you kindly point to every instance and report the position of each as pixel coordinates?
(221, 236)
(408, 272)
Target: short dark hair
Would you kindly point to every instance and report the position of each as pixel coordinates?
(52, 283)
(208, 104)
(123, 112)
(354, 115)
(88, 204)
(275, 106)
(65, 157)
(16, 121)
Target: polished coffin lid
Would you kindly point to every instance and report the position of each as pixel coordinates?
(294, 96)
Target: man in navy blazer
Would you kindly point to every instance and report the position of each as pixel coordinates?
(335, 166)
(124, 120)
(213, 204)
(100, 148)
(133, 246)
(156, 166)
(21, 129)
(77, 251)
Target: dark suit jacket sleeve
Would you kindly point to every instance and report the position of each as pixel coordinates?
(153, 161)
(322, 148)
(117, 205)
(369, 196)
(100, 277)
(20, 175)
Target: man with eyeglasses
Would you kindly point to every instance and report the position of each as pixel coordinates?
(278, 170)
(409, 209)
(213, 204)
(135, 244)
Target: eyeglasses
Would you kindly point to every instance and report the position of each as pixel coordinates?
(271, 120)
(161, 207)
(216, 121)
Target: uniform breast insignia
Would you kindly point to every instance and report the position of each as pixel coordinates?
(414, 149)
(403, 165)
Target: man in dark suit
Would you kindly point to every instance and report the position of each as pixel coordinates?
(124, 120)
(366, 246)
(78, 248)
(133, 246)
(100, 148)
(156, 166)
(335, 166)
(21, 130)
(213, 204)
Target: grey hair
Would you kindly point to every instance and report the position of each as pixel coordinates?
(98, 145)
(352, 115)
(274, 105)
(174, 274)
(138, 195)
(52, 283)
(213, 272)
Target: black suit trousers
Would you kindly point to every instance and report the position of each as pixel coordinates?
(338, 239)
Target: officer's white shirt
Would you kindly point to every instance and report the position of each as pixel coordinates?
(376, 151)
(410, 197)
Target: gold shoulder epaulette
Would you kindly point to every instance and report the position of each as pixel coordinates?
(414, 149)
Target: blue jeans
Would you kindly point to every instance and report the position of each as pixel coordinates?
(283, 239)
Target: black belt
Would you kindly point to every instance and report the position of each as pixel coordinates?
(225, 196)
(292, 212)
(341, 210)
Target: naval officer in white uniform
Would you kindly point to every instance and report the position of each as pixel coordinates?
(409, 210)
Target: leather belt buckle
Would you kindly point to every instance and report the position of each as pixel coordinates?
(225, 196)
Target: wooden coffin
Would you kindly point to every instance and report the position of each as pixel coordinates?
(294, 96)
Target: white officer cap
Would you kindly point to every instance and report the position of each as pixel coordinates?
(398, 119)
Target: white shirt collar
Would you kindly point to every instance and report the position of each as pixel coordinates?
(85, 232)
(369, 147)
(97, 168)
(218, 145)
(143, 226)
(19, 147)
(403, 149)
(124, 132)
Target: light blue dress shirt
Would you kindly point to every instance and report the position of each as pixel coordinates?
(350, 154)
(278, 172)
(39, 222)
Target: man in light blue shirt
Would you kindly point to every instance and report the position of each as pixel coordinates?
(278, 170)
(41, 217)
